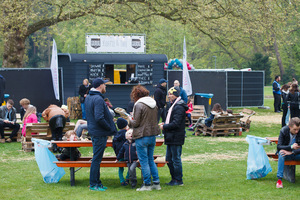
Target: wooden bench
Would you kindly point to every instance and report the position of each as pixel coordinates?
(245, 121)
(44, 132)
(86, 161)
(199, 111)
(221, 125)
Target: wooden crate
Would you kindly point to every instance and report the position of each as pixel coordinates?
(245, 121)
(199, 111)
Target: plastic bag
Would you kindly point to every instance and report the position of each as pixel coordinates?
(258, 165)
(44, 158)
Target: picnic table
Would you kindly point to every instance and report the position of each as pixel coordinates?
(87, 161)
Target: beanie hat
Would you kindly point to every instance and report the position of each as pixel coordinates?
(175, 91)
(121, 123)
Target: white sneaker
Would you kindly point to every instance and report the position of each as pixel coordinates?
(155, 186)
(144, 188)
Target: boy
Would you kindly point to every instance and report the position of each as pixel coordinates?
(128, 153)
(118, 141)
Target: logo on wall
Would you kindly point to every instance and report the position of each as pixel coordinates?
(95, 43)
(136, 43)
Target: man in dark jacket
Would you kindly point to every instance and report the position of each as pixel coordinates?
(8, 119)
(288, 146)
(277, 94)
(100, 125)
(174, 134)
(160, 98)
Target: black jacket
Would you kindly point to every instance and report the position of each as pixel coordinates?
(284, 140)
(160, 96)
(100, 121)
(293, 99)
(119, 140)
(84, 90)
(128, 152)
(174, 132)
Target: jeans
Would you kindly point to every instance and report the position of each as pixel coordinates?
(145, 149)
(14, 126)
(161, 112)
(99, 144)
(173, 156)
(281, 160)
(132, 171)
(189, 116)
(83, 111)
(80, 129)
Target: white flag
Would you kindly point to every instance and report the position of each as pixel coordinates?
(186, 81)
(54, 70)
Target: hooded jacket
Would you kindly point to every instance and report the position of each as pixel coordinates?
(119, 140)
(144, 122)
(174, 132)
(160, 96)
(128, 152)
(100, 121)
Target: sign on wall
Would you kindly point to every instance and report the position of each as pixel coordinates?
(115, 43)
(96, 71)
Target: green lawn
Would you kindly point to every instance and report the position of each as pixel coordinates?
(213, 168)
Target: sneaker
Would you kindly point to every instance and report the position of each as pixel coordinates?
(155, 186)
(124, 183)
(8, 140)
(171, 183)
(102, 186)
(179, 183)
(144, 188)
(190, 126)
(279, 184)
(95, 188)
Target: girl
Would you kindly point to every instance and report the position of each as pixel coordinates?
(29, 117)
(285, 105)
(216, 110)
(189, 111)
(293, 98)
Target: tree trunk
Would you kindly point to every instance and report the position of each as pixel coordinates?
(278, 57)
(14, 49)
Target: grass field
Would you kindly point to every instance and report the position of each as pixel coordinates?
(213, 168)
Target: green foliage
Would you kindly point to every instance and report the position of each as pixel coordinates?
(261, 62)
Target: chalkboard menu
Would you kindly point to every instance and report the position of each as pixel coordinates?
(144, 74)
(96, 71)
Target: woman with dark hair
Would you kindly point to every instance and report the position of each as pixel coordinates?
(216, 110)
(145, 128)
(293, 98)
(83, 92)
(285, 105)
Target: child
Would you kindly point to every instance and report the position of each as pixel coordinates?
(29, 117)
(128, 152)
(65, 154)
(189, 111)
(118, 142)
(216, 110)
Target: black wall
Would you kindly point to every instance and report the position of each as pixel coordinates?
(33, 84)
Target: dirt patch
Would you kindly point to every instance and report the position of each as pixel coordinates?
(270, 119)
(17, 159)
(202, 158)
(223, 139)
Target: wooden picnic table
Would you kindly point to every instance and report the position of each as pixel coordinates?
(106, 162)
(273, 139)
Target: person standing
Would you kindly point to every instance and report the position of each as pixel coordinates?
(293, 98)
(288, 147)
(160, 98)
(83, 92)
(277, 94)
(183, 94)
(285, 105)
(8, 119)
(100, 125)
(145, 128)
(2, 88)
(174, 135)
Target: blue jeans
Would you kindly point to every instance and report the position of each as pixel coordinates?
(173, 156)
(99, 144)
(145, 149)
(83, 110)
(80, 129)
(281, 160)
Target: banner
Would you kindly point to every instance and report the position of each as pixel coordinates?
(115, 44)
(54, 70)
(186, 81)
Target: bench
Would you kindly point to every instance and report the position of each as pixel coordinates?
(289, 172)
(86, 161)
(221, 125)
(245, 121)
(198, 111)
(43, 131)
(7, 130)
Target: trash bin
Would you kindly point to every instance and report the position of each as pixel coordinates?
(204, 99)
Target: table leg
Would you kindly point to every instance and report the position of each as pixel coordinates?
(72, 169)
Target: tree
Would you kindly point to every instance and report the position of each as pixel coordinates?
(260, 62)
